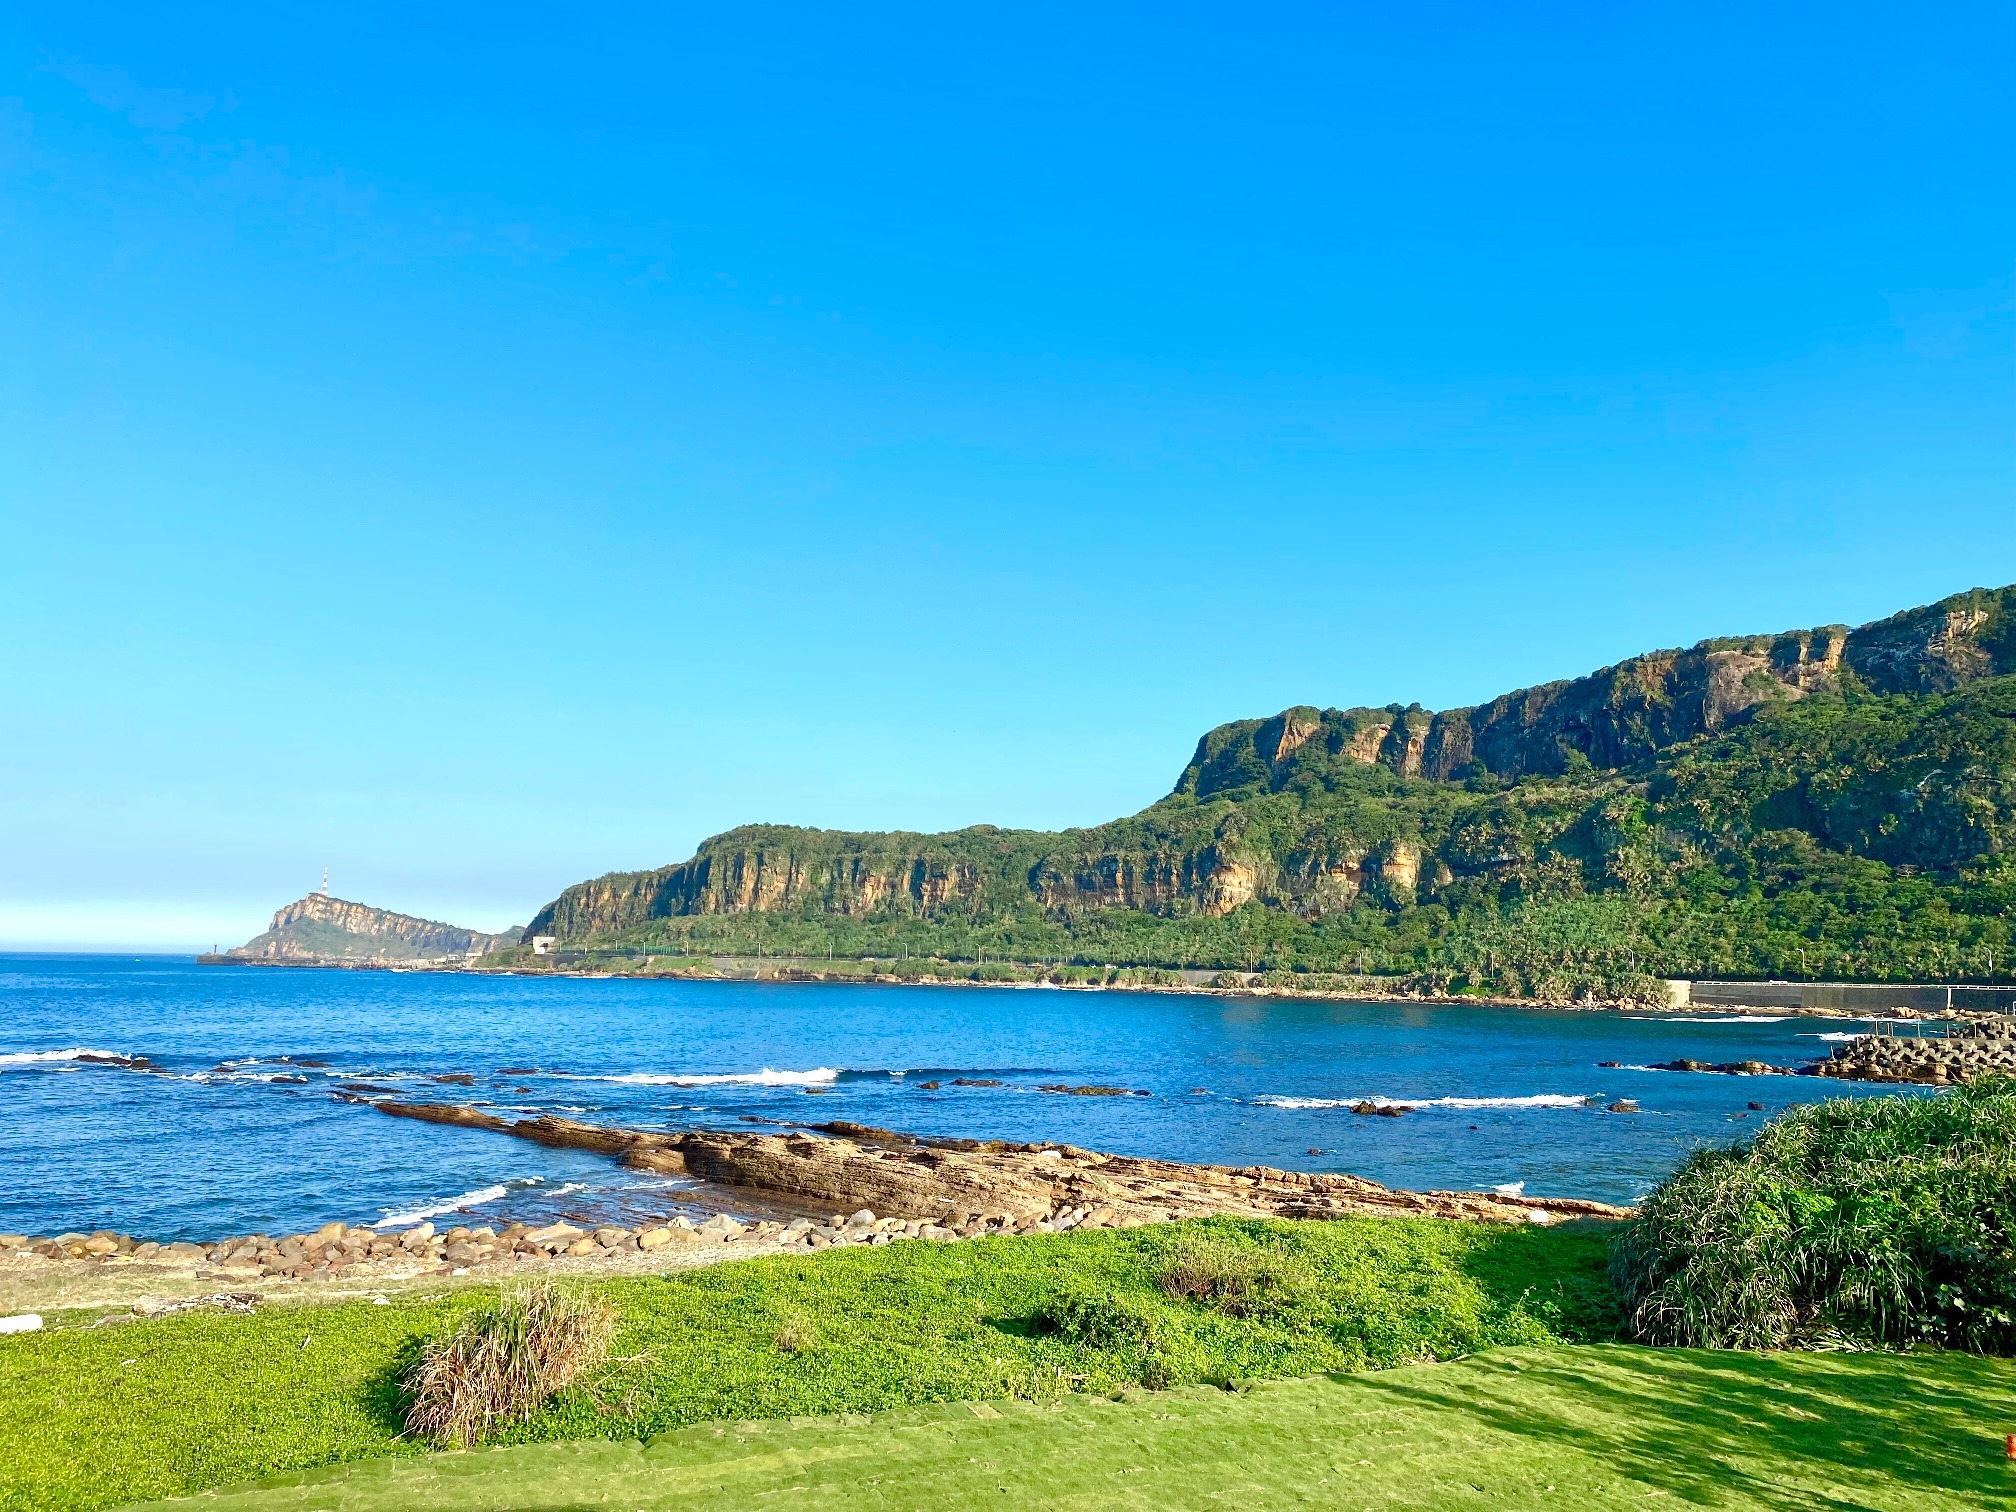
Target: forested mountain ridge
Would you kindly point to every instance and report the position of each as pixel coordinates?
(1848, 794)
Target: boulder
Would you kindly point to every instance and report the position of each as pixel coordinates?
(554, 1233)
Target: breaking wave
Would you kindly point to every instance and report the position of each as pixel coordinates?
(51, 1057)
(818, 1076)
(1537, 1100)
(476, 1198)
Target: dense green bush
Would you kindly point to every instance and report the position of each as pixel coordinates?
(1878, 1222)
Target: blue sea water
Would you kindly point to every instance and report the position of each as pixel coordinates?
(237, 1129)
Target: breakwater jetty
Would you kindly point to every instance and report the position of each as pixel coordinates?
(1983, 1048)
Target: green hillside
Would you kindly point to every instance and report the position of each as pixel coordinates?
(1829, 803)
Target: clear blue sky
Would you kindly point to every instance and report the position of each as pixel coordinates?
(477, 448)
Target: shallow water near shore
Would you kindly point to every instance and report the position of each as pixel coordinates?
(237, 1127)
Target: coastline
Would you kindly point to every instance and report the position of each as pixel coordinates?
(798, 974)
(796, 1193)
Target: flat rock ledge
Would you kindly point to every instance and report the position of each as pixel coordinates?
(972, 1186)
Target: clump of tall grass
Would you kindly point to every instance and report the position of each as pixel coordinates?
(502, 1363)
(1879, 1222)
(1239, 1280)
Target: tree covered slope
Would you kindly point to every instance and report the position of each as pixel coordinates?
(1828, 802)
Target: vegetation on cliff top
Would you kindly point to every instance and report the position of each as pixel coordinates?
(1827, 803)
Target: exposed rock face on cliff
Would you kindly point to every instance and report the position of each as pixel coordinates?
(1624, 714)
(1713, 764)
(321, 928)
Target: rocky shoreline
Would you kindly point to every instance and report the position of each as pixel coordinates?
(851, 1185)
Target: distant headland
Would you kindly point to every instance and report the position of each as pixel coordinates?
(319, 930)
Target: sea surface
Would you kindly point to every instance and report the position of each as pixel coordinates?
(238, 1126)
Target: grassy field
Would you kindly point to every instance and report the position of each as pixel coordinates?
(100, 1417)
(1589, 1428)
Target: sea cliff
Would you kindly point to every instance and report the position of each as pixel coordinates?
(1833, 801)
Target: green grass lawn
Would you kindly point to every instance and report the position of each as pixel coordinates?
(1578, 1428)
(99, 1417)
(844, 1372)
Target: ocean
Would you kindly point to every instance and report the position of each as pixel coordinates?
(237, 1126)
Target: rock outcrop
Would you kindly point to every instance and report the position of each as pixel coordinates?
(993, 1182)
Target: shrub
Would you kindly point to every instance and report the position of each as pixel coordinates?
(1874, 1222)
(1242, 1281)
(1158, 1356)
(1103, 1320)
(501, 1364)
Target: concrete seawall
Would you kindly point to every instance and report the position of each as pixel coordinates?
(1851, 997)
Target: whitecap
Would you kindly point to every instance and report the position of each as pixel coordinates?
(765, 1078)
(51, 1057)
(1536, 1100)
(1509, 1189)
(1834, 1036)
(455, 1204)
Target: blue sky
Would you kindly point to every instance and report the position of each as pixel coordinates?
(482, 450)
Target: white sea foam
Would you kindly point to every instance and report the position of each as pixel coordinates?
(467, 1200)
(1834, 1036)
(1537, 1100)
(50, 1057)
(764, 1078)
(1703, 1072)
(1509, 1189)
